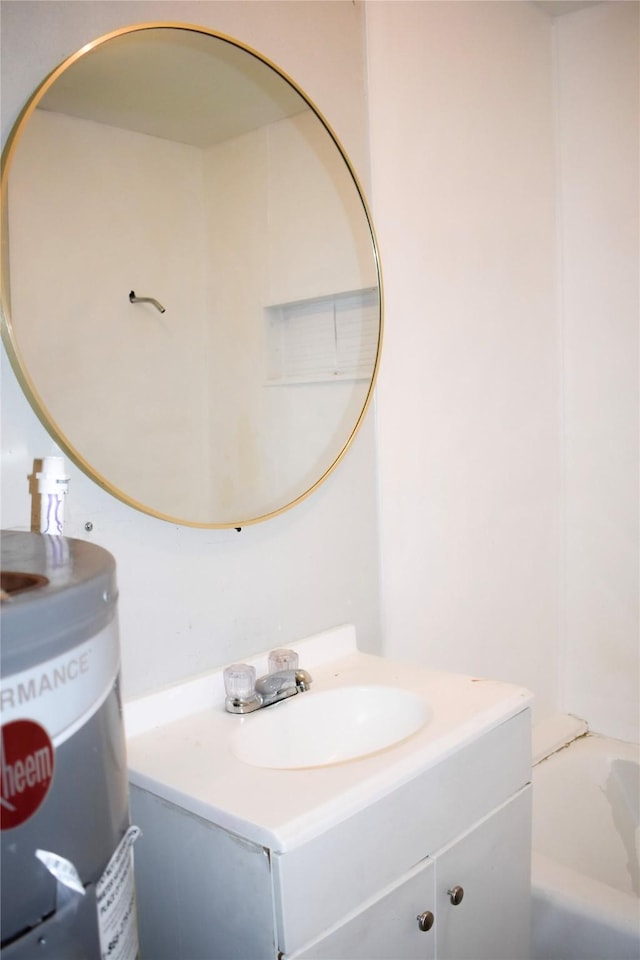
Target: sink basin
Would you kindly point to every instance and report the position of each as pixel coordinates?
(319, 728)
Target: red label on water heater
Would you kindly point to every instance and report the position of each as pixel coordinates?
(27, 761)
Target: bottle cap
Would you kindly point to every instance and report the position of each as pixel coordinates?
(52, 478)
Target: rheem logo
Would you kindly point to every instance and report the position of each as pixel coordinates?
(26, 763)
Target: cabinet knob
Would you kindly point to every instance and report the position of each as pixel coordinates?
(455, 895)
(425, 920)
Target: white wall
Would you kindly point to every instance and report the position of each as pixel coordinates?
(599, 167)
(463, 187)
(191, 599)
(505, 192)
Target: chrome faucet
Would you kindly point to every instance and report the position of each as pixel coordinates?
(246, 694)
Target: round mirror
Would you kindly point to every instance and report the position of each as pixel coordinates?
(190, 282)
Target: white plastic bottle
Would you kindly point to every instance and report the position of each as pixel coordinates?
(53, 486)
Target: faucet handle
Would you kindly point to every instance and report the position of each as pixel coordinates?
(282, 660)
(240, 681)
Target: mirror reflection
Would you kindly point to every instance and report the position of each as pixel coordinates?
(191, 296)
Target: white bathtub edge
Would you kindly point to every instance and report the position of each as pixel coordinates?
(554, 733)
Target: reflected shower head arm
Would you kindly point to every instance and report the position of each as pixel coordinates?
(156, 303)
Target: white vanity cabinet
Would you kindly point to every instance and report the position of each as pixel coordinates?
(242, 859)
(488, 866)
(354, 890)
(465, 822)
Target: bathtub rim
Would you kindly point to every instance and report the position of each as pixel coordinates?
(577, 893)
(554, 734)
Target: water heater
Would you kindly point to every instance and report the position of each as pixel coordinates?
(67, 871)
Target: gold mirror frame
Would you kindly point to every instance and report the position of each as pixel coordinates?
(11, 338)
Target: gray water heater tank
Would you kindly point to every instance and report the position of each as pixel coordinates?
(67, 880)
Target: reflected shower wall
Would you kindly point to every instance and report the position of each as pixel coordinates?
(218, 235)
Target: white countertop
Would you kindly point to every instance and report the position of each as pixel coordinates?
(178, 743)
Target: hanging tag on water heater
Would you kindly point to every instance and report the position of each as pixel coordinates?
(116, 902)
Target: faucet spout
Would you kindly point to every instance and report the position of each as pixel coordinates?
(283, 683)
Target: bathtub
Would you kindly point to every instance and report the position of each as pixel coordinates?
(585, 863)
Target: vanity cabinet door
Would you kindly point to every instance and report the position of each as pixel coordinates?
(386, 928)
(492, 865)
